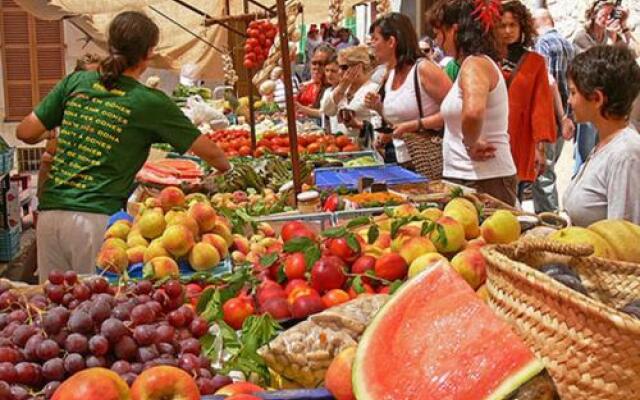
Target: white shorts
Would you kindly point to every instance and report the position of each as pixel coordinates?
(69, 240)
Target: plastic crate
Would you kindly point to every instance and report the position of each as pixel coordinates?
(391, 174)
(9, 243)
(342, 217)
(291, 394)
(29, 158)
(6, 161)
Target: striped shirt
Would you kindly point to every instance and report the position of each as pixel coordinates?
(558, 52)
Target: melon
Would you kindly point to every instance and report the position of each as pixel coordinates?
(578, 235)
(622, 236)
(436, 339)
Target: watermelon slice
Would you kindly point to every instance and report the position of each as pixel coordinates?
(436, 339)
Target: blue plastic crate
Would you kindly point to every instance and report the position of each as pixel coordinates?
(9, 243)
(391, 174)
(293, 394)
(6, 161)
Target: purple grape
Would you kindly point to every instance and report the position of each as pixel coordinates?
(166, 348)
(19, 393)
(50, 388)
(129, 378)
(22, 334)
(188, 314)
(52, 323)
(141, 314)
(55, 293)
(8, 372)
(81, 292)
(113, 329)
(220, 381)
(76, 343)
(189, 362)
(53, 370)
(146, 354)
(164, 334)
(18, 316)
(100, 310)
(176, 318)
(125, 348)
(121, 367)
(32, 346)
(56, 277)
(48, 349)
(99, 285)
(155, 307)
(93, 362)
(204, 373)
(5, 390)
(173, 289)
(9, 354)
(205, 386)
(190, 346)
(80, 322)
(70, 277)
(7, 299)
(60, 337)
(67, 299)
(199, 327)
(73, 363)
(144, 335)
(99, 345)
(28, 373)
(136, 368)
(122, 311)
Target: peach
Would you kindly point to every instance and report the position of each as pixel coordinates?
(204, 215)
(171, 197)
(416, 247)
(383, 241)
(391, 267)
(177, 240)
(257, 248)
(483, 293)
(161, 267)
(476, 243)
(218, 242)
(152, 202)
(338, 377)
(373, 251)
(115, 242)
(223, 230)
(203, 256)
(405, 210)
(266, 229)
(119, 229)
(155, 249)
(240, 243)
(151, 224)
(471, 266)
(193, 198)
(182, 218)
(239, 388)
(93, 383)
(238, 257)
(113, 259)
(164, 382)
(431, 213)
(136, 254)
(449, 236)
(397, 243)
(501, 228)
(463, 211)
(136, 240)
(423, 262)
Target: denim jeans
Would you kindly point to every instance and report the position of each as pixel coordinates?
(545, 190)
(586, 139)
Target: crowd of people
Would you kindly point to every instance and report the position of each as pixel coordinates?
(483, 103)
(491, 106)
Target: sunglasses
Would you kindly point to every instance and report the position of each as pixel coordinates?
(344, 67)
(317, 63)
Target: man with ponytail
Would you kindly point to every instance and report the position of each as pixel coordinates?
(108, 121)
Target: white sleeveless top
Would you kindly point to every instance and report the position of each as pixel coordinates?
(400, 105)
(457, 163)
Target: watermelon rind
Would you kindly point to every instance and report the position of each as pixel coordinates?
(526, 373)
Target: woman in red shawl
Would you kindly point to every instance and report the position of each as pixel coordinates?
(531, 113)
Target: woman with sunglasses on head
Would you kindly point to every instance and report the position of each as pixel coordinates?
(310, 94)
(347, 99)
(411, 80)
(475, 111)
(333, 75)
(604, 81)
(532, 121)
(108, 122)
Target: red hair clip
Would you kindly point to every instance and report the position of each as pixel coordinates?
(487, 12)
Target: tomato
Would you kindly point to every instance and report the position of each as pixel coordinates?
(236, 310)
(362, 265)
(268, 43)
(277, 307)
(260, 151)
(302, 140)
(384, 290)
(269, 135)
(306, 305)
(367, 290)
(295, 266)
(244, 151)
(313, 148)
(343, 141)
(334, 297)
(289, 227)
(248, 48)
(282, 151)
(332, 203)
(254, 24)
(332, 148)
(328, 273)
(249, 64)
(232, 153)
(351, 147)
(254, 33)
(261, 38)
(269, 293)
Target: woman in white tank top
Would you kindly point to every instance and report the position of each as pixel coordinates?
(395, 44)
(476, 110)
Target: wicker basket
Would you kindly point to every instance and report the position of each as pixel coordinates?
(591, 350)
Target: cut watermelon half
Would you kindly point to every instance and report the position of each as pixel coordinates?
(435, 340)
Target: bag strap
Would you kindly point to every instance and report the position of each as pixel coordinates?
(418, 89)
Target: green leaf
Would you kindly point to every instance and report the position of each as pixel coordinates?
(268, 259)
(442, 235)
(395, 286)
(311, 255)
(296, 245)
(388, 211)
(370, 273)
(281, 276)
(456, 192)
(373, 234)
(353, 243)
(397, 224)
(359, 221)
(427, 228)
(357, 285)
(337, 232)
(203, 301)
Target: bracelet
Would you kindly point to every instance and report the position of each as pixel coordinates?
(421, 127)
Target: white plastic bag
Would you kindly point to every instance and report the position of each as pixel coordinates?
(198, 111)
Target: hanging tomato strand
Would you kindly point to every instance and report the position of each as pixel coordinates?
(487, 12)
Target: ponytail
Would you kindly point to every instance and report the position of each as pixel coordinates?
(131, 36)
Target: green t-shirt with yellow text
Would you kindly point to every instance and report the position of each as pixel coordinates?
(104, 139)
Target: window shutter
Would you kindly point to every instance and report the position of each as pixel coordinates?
(33, 59)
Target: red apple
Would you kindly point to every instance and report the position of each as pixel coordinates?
(164, 382)
(328, 273)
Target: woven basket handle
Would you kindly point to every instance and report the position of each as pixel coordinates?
(525, 246)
